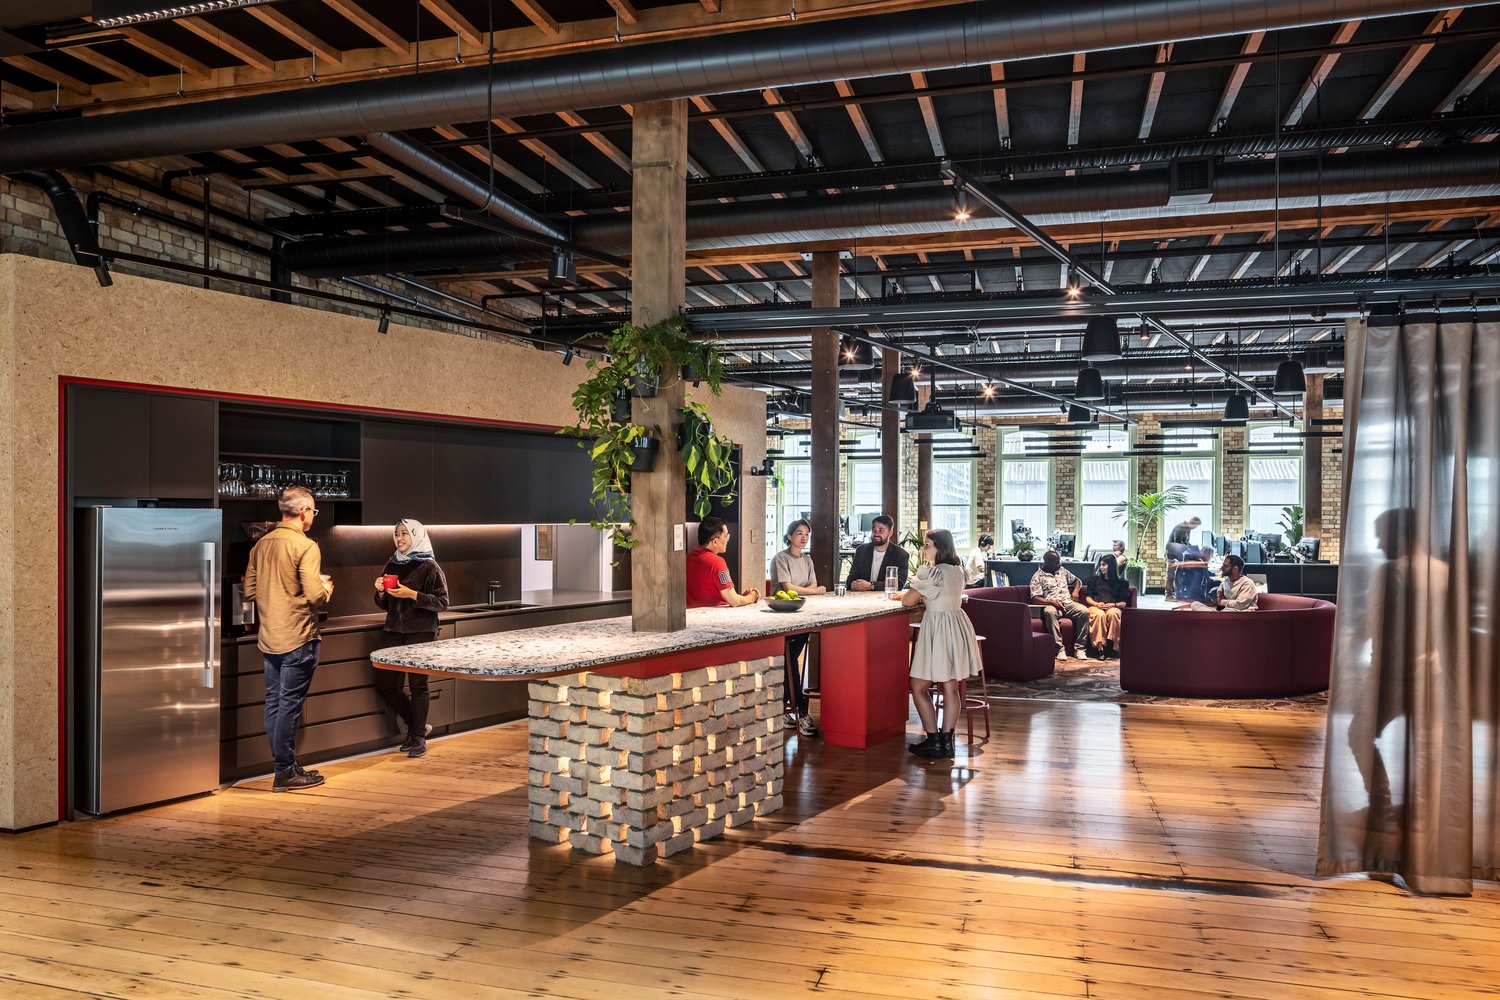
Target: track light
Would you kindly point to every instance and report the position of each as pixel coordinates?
(139, 12)
(1290, 379)
(1090, 384)
(961, 207)
(568, 356)
(988, 391)
(1080, 414)
(385, 321)
(1101, 340)
(561, 267)
(1074, 290)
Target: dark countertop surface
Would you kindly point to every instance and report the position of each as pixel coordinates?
(537, 600)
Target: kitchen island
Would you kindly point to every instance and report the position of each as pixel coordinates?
(643, 743)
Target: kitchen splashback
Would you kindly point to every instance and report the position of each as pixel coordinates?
(471, 555)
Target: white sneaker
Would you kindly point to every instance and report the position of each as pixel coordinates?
(1062, 654)
(806, 726)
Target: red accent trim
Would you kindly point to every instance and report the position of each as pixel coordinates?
(312, 404)
(62, 601)
(693, 659)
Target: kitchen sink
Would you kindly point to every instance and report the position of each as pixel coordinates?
(483, 608)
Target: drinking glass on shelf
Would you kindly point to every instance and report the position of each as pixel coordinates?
(892, 580)
(341, 488)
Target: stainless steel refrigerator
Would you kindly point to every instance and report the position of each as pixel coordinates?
(147, 665)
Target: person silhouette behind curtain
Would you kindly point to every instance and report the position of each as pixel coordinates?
(1401, 660)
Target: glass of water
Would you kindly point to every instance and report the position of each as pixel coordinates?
(892, 583)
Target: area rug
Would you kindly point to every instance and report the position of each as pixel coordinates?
(1099, 681)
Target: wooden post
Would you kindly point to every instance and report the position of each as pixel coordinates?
(1312, 460)
(890, 440)
(825, 421)
(658, 251)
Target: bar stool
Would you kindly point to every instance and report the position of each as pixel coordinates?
(974, 702)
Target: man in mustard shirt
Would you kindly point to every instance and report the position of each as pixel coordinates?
(284, 579)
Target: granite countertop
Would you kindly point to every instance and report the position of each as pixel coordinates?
(561, 649)
(535, 600)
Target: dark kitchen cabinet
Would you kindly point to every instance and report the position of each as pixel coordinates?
(463, 475)
(123, 443)
(398, 480)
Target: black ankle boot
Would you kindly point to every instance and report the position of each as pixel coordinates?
(924, 746)
(946, 750)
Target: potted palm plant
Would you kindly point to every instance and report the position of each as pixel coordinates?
(1025, 548)
(1291, 525)
(1140, 514)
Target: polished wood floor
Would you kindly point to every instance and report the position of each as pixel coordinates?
(1088, 851)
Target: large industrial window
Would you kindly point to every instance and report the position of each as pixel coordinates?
(953, 499)
(1025, 486)
(1197, 475)
(1103, 482)
(1272, 481)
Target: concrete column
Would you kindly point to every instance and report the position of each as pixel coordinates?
(658, 250)
(890, 440)
(1312, 460)
(825, 421)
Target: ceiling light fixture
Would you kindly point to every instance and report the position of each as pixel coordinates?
(1074, 290)
(1090, 384)
(903, 392)
(961, 212)
(136, 12)
(385, 321)
(1290, 379)
(1101, 339)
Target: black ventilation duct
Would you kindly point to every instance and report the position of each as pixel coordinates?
(82, 237)
(798, 54)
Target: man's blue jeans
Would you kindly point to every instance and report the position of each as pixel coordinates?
(288, 676)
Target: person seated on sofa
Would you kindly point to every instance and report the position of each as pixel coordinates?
(1236, 593)
(974, 565)
(1106, 595)
(1056, 590)
(1118, 548)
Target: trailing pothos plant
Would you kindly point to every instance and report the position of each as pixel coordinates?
(638, 359)
(706, 459)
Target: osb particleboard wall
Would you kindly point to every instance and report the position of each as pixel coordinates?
(55, 321)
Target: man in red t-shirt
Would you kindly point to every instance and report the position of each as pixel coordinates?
(708, 581)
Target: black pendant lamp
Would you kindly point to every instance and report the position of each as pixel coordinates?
(855, 356)
(1290, 380)
(903, 394)
(1078, 414)
(1237, 408)
(1101, 339)
(1090, 384)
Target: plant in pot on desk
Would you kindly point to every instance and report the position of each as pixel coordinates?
(1140, 514)
(1025, 549)
(636, 360)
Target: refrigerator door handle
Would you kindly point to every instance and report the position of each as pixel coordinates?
(210, 613)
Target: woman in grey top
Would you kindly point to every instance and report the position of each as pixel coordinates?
(792, 568)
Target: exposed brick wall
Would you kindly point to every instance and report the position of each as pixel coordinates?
(986, 492)
(641, 768)
(29, 226)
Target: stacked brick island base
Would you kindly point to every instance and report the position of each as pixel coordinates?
(643, 767)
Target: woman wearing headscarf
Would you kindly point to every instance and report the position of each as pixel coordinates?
(411, 616)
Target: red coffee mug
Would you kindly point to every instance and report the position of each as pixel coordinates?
(392, 581)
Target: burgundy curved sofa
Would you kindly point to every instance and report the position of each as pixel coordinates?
(1282, 649)
(1016, 646)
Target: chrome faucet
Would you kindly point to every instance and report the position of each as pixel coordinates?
(494, 597)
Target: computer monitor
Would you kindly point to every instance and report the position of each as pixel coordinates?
(1254, 552)
(1272, 542)
(1063, 542)
(1018, 526)
(1309, 548)
(807, 515)
(867, 521)
(1207, 539)
(1221, 544)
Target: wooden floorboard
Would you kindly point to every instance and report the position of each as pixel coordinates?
(1087, 851)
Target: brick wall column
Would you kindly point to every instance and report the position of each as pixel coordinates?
(645, 768)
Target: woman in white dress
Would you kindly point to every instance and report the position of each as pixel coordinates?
(946, 651)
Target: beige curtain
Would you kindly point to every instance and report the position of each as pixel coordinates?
(1410, 780)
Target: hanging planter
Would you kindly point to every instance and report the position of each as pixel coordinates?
(645, 450)
(635, 359)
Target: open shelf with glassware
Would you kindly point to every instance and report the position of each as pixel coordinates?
(265, 449)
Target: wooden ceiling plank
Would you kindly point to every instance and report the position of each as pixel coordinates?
(167, 54)
(597, 140)
(371, 25)
(476, 149)
(929, 116)
(1153, 92)
(1320, 71)
(449, 15)
(1408, 64)
(626, 11)
(290, 29)
(1250, 46)
(100, 61)
(13, 98)
(549, 155)
(861, 123)
(224, 40)
(712, 6)
(53, 76)
(538, 16)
